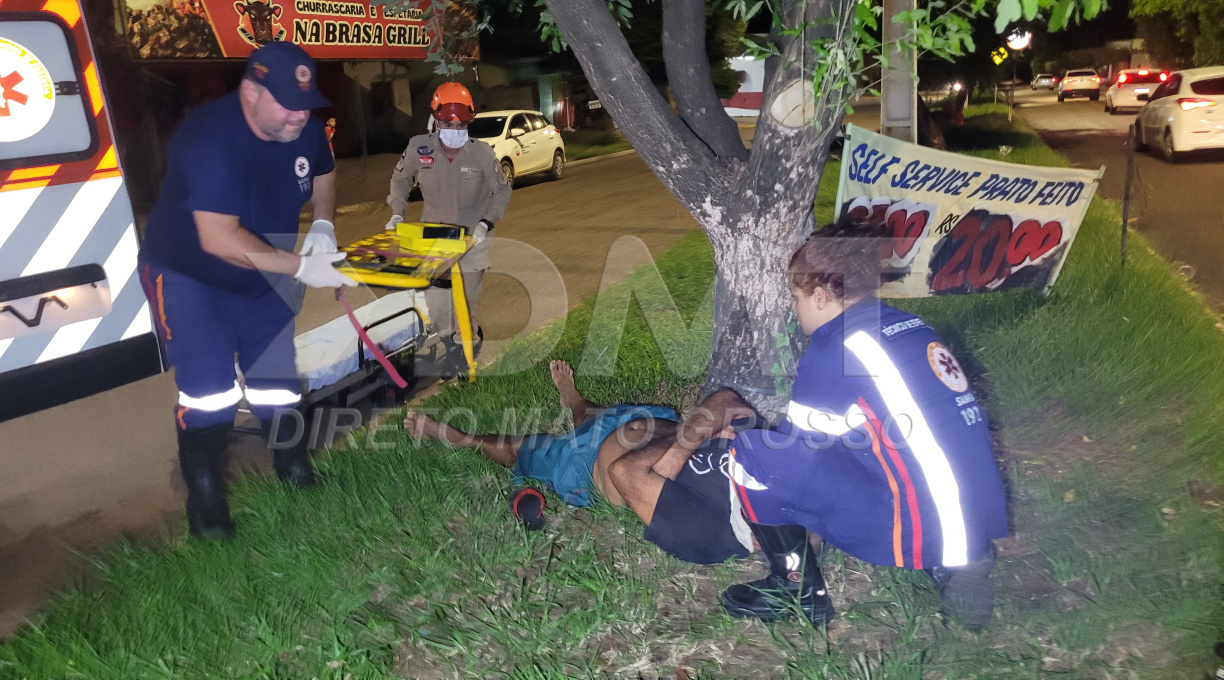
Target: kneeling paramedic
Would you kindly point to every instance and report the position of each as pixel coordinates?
(885, 452)
(219, 269)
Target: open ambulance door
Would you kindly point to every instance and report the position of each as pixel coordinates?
(74, 320)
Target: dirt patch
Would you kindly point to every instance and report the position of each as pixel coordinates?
(50, 558)
(415, 660)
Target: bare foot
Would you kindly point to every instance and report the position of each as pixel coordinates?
(563, 378)
(421, 426)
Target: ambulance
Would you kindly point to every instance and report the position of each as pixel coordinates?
(74, 320)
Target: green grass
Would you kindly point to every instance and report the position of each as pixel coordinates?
(588, 143)
(1108, 395)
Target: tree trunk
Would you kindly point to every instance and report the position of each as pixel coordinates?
(755, 207)
(751, 312)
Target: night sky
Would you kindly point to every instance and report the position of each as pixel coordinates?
(517, 35)
(1112, 24)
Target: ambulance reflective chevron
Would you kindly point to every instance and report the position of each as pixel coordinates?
(73, 318)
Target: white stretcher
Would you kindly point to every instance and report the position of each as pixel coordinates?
(336, 367)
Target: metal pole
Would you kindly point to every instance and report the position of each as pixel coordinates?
(1130, 170)
(1011, 91)
(898, 84)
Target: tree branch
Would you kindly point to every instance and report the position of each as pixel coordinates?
(688, 74)
(681, 161)
(796, 125)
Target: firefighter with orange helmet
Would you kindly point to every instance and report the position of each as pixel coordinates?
(461, 183)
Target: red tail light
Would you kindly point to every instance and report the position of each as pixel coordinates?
(1122, 77)
(1096, 79)
(1192, 103)
(1164, 77)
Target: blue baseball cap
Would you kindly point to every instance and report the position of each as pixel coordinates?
(289, 74)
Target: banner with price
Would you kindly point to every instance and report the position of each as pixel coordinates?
(961, 224)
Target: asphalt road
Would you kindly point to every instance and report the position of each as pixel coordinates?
(77, 475)
(1179, 207)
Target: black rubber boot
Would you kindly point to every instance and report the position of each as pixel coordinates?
(794, 581)
(201, 453)
(965, 592)
(291, 456)
(454, 361)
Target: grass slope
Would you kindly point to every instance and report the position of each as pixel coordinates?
(407, 564)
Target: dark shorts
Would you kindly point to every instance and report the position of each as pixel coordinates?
(565, 462)
(692, 518)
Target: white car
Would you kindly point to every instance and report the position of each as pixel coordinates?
(1131, 84)
(1043, 81)
(1080, 83)
(525, 142)
(1185, 113)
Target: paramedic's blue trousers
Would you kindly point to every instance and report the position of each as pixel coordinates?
(207, 331)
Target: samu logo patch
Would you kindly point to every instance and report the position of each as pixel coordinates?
(947, 368)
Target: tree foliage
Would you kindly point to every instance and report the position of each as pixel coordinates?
(1183, 32)
(756, 205)
(1165, 40)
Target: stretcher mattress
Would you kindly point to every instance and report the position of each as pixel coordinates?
(328, 353)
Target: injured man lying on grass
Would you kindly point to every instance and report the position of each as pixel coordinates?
(672, 474)
(677, 477)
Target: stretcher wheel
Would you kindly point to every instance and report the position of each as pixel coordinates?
(390, 394)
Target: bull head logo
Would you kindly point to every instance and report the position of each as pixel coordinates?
(262, 17)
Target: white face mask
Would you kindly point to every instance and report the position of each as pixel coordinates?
(453, 138)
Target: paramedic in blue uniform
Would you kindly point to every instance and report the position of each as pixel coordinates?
(884, 452)
(219, 269)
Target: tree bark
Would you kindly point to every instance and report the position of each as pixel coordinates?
(681, 161)
(757, 209)
(688, 75)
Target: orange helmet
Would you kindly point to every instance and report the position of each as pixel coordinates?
(452, 101)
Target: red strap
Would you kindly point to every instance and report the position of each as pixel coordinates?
(370, 344)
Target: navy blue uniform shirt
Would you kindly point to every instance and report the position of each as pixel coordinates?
(216, 164)
(885, 451)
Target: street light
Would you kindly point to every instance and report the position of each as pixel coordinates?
(1018, 40)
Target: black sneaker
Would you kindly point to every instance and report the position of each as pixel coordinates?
(527, 504)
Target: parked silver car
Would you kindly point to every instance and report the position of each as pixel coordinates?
(1043, 81)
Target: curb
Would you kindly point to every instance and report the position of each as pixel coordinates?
(582, 161)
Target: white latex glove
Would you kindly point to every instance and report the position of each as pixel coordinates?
(394, 222)
(481, 232)
(317, 271)
(320, 239)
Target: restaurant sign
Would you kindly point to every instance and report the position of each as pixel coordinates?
(327, 29)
